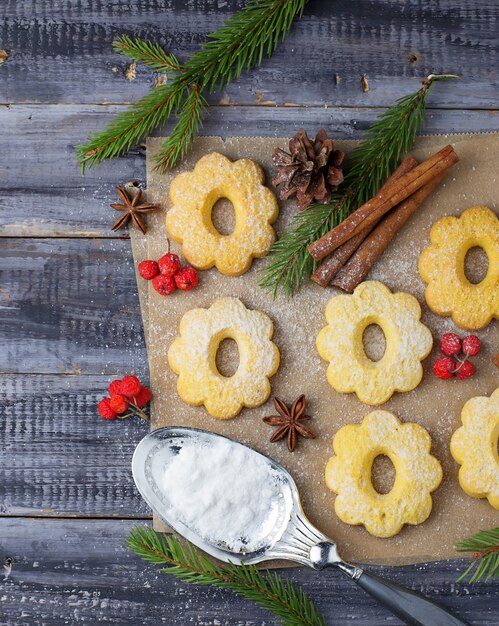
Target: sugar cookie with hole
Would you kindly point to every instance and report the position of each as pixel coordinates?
(192, 357)
(474, 447)
(417, 474)
(408, 342)
(189, 221)
(442, 266)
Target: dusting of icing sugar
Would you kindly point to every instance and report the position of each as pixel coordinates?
(434, 404)
(192, 356)
(189, 220)
(225, 492)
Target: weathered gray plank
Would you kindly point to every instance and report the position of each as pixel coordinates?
(59, 457)
(74, 571)
(61, 52)
(69, 306)
(42, 192)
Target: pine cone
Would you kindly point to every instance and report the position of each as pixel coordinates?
(311, 171)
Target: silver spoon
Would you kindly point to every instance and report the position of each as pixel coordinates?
(293, 537)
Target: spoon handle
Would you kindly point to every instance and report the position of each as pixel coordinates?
(411, 607)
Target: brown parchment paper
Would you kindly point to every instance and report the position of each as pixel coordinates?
(434, 404)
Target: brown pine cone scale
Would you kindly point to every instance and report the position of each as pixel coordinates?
(310, 170)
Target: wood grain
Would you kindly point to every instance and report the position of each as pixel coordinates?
(74, 571)
(44, 193)
(59, 458)
(61, 52)
(69, 306)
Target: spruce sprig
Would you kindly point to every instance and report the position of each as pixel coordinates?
(150, 54)
(484, 551)
(238, 45)
(384, 143)
(291, 605)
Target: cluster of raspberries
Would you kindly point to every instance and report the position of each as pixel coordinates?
(450, 365)
(166, 274)
(127, 397)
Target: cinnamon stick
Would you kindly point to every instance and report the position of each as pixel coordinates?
(375, 208)
(328, 269)
(361, 262)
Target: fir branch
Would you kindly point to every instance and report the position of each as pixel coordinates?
(242, 42)
(484, 549)
(185, 562)
(128, 128)
(188, 124)
(148, 53)
(387, 140)
(238, 45)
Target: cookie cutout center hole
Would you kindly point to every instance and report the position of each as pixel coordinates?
(374, 342)
(382, 474)
(476, 265)
(227, 358)
(223, 216)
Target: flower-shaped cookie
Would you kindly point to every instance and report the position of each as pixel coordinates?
(193, 357)
(189, 220)
(408, 341)
(441, 265)
(474, 447)
(348, 474)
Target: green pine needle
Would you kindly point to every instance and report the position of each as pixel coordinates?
(240, 44)
(188, 124)
(291, 605)
(372, 162)
(484, 549)
(128, 128)
(150, 54)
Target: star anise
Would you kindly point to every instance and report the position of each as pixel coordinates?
(289, 422)
(132, 210)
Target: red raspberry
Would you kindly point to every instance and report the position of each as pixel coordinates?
(130, 386)
(105, 410)
(466, 370)
(148, 269)
(118, 403)
(471, 345)
(444, 367)
(450, 344)
(165, 285)
(169, 264)
(114, 388)
(186, 278)
(143, 398)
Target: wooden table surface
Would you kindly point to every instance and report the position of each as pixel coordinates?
(69, 311)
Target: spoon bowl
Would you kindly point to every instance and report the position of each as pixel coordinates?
(160, 447)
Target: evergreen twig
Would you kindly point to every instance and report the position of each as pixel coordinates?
(484, 551)
(188, 124)
(386, 141)
(185, 562)
(150, 54)
(238, 45)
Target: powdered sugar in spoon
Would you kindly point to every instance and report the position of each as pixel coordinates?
(203, 485)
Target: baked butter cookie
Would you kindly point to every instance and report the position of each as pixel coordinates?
(441, 265)
(408, 341)
(189, 220)
(474, 447)
(348, 474)
(193, 357)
